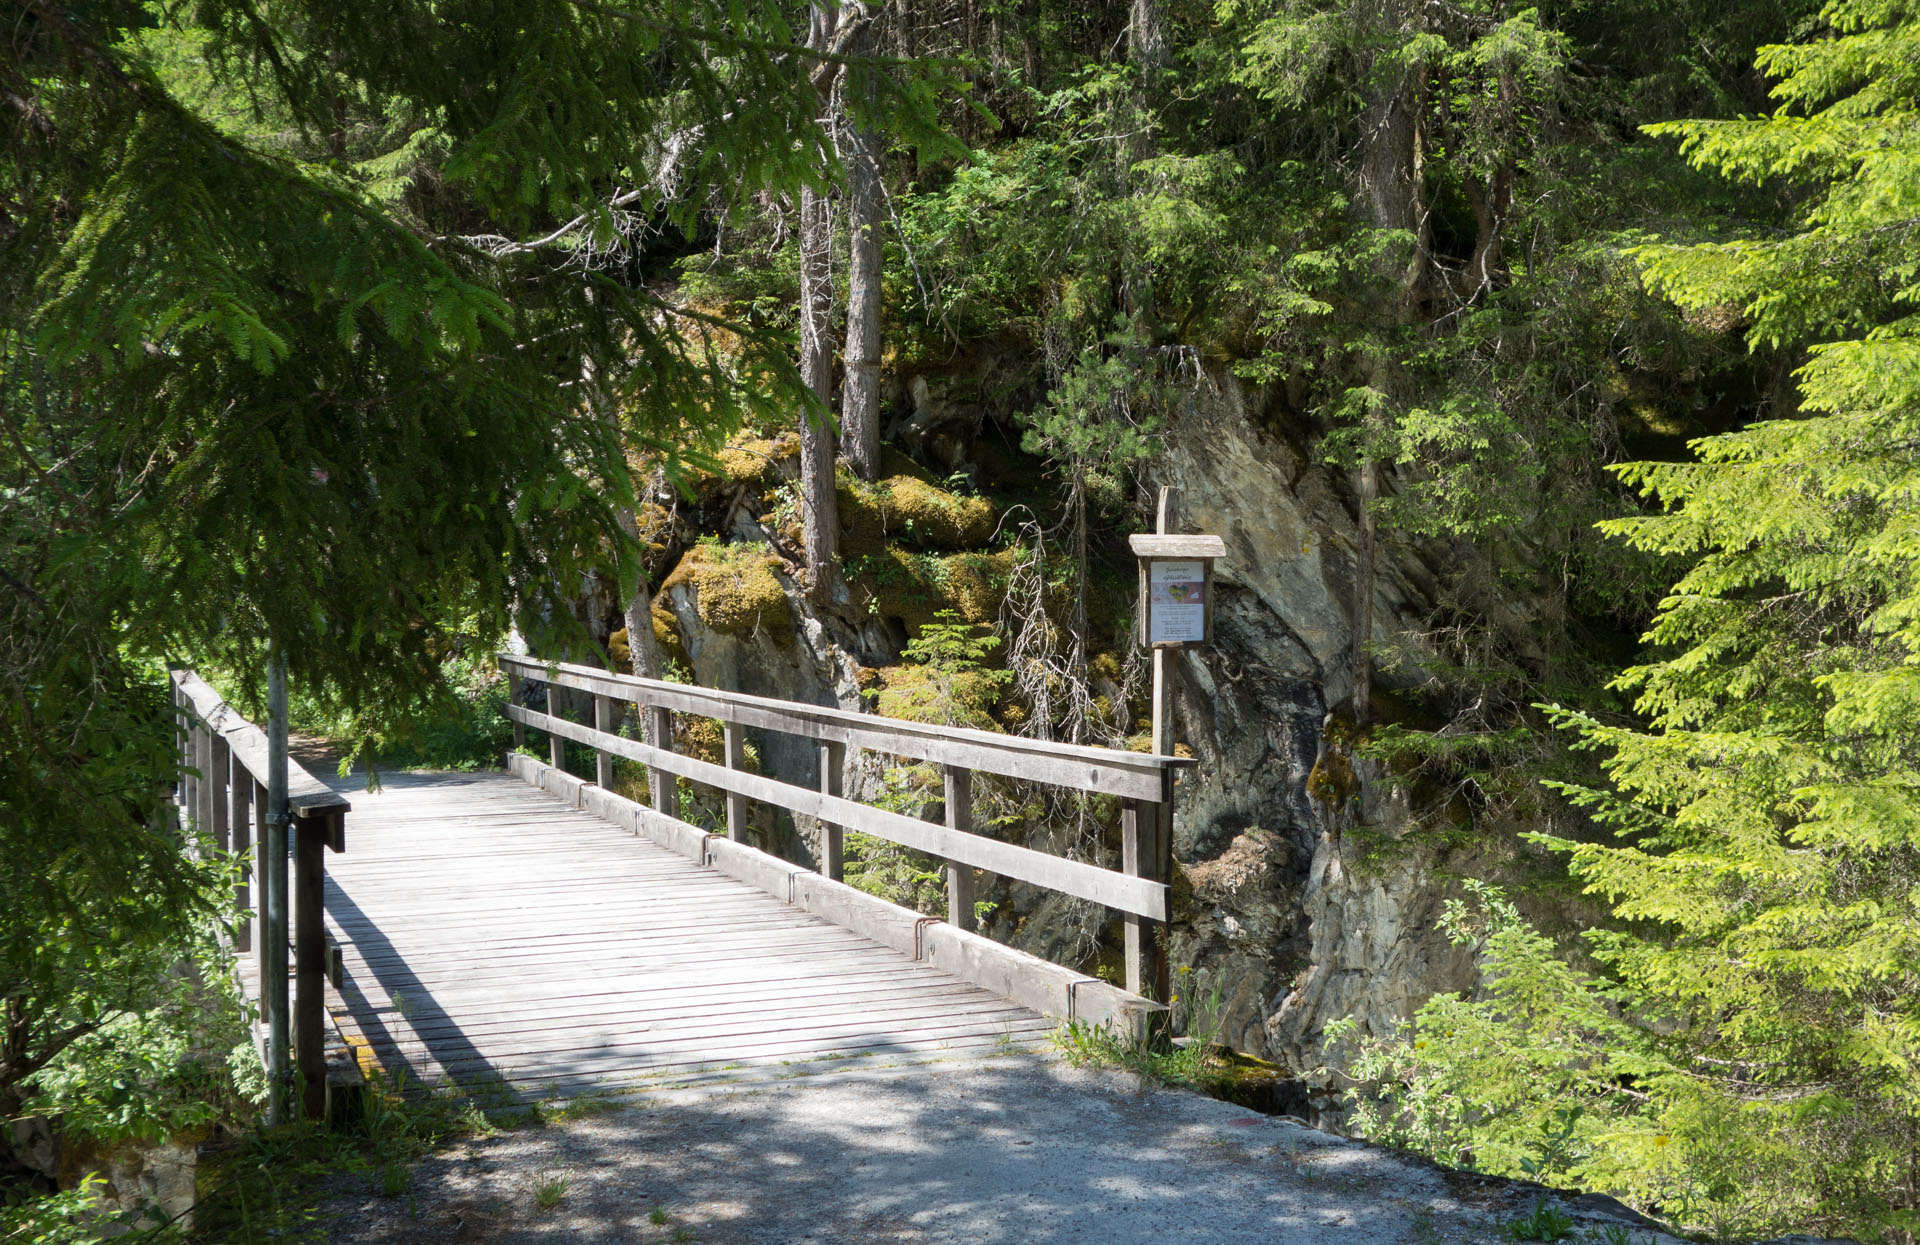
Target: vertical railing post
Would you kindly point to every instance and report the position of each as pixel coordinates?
(513, 698)
(1134, 925)
(219, 762)
(660, 784)
(273, 986)
(310, 961)
(1162, 864)
(959, 801)
(239, 816)
(203, 780)
(833, 838)
(735, 743)
(180, 738)
(556, 746)
(262, 936)
(602, 759)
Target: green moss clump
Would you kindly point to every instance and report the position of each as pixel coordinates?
(735, 589)
(666, 639)
(923, 694)
(915, 587)
(913, 511)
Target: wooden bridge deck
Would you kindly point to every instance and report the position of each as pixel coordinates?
(492, 934)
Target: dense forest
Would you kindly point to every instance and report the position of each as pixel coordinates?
(368, 333)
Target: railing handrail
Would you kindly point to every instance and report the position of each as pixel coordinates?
(1121, 891)
(1104, 771)
(223, 788)
(307, 796)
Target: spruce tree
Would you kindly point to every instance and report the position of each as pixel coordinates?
(1768, 854)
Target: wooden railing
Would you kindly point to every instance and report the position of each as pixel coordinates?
(1143, 783)
(223, 789)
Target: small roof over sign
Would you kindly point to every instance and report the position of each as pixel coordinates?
(1150, 545)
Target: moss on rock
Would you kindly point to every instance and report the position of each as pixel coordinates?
(735, 589)
(911, 510)
(915, 587)
(666, 639)
(922, 694)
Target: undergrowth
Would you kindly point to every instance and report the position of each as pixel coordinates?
(1195, 1065)
(268, 1185)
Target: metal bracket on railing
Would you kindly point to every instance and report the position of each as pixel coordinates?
(919, 935)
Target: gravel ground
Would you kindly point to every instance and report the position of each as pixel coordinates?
(1012, 1149)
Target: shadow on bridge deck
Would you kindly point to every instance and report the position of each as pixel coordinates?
(494, 937)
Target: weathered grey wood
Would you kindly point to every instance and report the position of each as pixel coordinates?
(240, 822)
(1155, 839)
(513, 698)
(1085, 881)
(735, 748)
(662, 972)
(1104, 770)
(219, 767)
(833, 839)
(305, 793)
(661, 788)
(204, 798)
(1130, 863)
(959, 803)
(1173, 545)
(179, 736)
(262, 932)
(602, 759)
(310, 966)
(556, 746)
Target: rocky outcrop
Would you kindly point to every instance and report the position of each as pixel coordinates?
(1286, 920)
(1287, 914)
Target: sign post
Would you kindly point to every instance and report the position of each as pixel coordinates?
(1176, 612)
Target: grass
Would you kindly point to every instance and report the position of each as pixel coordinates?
(550, 1189)
(1543, 1223)
(1193, 1065)
(267, 1185)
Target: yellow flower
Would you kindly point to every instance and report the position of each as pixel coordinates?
(1420, 1045)
(1661, 1140)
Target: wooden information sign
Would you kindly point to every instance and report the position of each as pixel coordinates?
(1176, 574)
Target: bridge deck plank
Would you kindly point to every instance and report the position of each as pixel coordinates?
(492, 934)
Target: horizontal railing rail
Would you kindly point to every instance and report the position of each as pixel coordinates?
(1143, 782)
(1106, 771)
(223, 790)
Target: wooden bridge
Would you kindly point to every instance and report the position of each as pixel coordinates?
(538, 932)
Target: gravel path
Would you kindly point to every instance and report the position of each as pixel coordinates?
(1013, 1149)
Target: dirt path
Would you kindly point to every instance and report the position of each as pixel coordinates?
(1019, 1149)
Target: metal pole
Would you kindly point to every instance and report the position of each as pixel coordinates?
(274, 988)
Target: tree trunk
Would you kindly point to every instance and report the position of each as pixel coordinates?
(860, 395)
(821, 511)
(642, 651)
(1146, 46)
(1391, 195)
